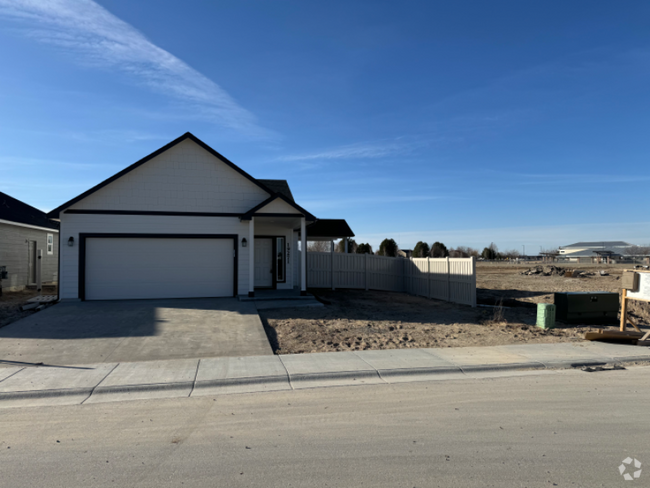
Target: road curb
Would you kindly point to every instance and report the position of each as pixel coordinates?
(34, 394)
(143, 388)
(486, 368)
(251, 380)
(434, 370)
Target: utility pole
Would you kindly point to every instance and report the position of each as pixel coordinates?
(524, 246)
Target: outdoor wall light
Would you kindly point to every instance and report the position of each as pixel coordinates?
(244, 242)
(71, 241)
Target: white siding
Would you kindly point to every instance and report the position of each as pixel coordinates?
(185, 178)
(73, 224)
(14, 254)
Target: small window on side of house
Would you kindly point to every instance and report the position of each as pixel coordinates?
(50, 244)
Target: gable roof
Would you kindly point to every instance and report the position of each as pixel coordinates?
(55, 213)
(279, 186)
(280, 196)
(14, 210)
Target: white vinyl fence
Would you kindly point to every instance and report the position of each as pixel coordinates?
(450, 279)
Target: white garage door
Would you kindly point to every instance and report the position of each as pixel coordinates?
(133, 268)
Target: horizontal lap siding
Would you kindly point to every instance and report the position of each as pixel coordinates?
(443, 278)
(185, 178)
(74, 224)
(14, 254)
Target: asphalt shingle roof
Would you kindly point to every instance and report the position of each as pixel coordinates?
(278, 186)
(334, 228)
(16, 211)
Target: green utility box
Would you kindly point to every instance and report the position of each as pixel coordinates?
(587, 307)
(545, 315)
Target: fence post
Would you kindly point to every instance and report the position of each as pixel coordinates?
(365, 265)
(473, 281)
(332, 264)
(448, 281)
(428, 277)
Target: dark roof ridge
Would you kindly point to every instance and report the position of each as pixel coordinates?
(14, 210)
(188, 135)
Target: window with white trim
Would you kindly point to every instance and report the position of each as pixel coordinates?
(50, 244)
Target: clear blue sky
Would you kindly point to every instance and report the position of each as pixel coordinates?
(522, 123)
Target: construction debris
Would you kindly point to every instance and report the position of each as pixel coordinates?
(545, 271)
(557, 271)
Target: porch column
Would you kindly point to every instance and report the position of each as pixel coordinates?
(303, 257)
(251, 257)
(345, 245)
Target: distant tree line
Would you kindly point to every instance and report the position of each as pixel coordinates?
(389, 248)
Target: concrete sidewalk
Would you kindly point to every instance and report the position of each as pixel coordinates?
(54, 385)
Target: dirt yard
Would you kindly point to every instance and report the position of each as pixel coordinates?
(10, 303)
(358, 320)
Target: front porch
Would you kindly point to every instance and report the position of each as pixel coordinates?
(277, 257)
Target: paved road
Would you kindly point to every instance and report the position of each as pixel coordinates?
(569, 430)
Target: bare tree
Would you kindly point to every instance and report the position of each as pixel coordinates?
(318, 246)
(638, 250)
(464, 252)
(511, 254)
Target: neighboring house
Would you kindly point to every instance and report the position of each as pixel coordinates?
(589, 251)
(24, 230)
(182, 222)
(404, 253)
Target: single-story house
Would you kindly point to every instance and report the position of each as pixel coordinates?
(588, 252)
(183, 222)
(24, 231)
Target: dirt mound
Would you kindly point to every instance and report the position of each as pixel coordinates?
(545, 271)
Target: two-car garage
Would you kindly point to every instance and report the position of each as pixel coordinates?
(147, 266)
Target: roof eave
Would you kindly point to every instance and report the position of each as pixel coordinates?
(188, 135)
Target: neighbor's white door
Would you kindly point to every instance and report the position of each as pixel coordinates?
(263, 263)
(133, 268)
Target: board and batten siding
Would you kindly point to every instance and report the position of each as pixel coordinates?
(14, 254)
(450, 279)
(74, 224)
(185, 178)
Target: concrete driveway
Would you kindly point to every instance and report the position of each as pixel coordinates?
(135, 330)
